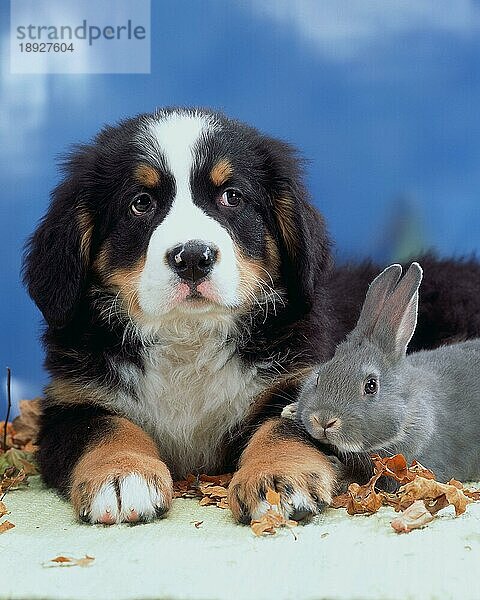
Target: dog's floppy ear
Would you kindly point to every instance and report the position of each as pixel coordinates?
(58, 254)
(302, 238)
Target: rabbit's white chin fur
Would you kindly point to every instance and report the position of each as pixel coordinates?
(350, 447)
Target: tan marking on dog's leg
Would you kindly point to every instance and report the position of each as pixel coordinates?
(122, 478)
(273, 459)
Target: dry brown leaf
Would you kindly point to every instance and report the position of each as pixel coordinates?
(210, 489)
(437, 504)
(414, 517)
(3, 509)
(270, 522)
(395, 501)
(273, 498)
(340, 501)
(418, 469)
(214, 491)
(27, 423)
(397, 468)
(273, 519)
(207, 501)
(472, 494)
(394, 466)
(69, 561)
(5, 526)
(11, 479)
(222, 503)
(222, 480)
(363, 499)
(429, 489)
(457, 484)
(418, 485)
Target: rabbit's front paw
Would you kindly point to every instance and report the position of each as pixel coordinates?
(290, 411)
(133, 489)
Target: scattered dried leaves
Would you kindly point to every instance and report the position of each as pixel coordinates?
(415, 516)
(273, 519)
(5, 526)
(420, 496)
(26, 425)
(20, 439)
(210, 489)
(16, 456)
(11, 479)
(69, 561)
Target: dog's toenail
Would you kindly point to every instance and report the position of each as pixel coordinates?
(84, 516)
(300, 514)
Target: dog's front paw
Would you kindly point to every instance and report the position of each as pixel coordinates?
(280, 457)
(305, 489)
(126, 489)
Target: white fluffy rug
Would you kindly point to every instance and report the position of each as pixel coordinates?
(336, 556)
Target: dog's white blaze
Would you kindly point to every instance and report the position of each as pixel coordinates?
(175, 138)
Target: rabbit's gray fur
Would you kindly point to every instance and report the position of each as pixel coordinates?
(427, 406)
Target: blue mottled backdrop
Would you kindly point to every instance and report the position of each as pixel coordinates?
(382, 98)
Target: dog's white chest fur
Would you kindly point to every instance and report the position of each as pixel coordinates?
(194, 390)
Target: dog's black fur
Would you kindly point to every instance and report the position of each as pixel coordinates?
(321, 302)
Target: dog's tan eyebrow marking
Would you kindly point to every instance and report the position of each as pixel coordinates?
(147, 175)
(221, 172)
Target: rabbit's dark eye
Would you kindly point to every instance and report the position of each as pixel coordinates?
(371, 386)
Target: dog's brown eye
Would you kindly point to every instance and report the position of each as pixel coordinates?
(230, 198)
(371, 386)
(142, 204)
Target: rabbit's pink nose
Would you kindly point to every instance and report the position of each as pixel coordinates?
(323, 424)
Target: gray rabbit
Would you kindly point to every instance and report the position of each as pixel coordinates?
(373, 398)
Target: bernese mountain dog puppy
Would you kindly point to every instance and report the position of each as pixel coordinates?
(187, 285)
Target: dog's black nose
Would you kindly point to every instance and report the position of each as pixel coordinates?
(192, 261)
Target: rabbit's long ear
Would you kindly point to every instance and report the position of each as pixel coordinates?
(379, 291)
(398, 319)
